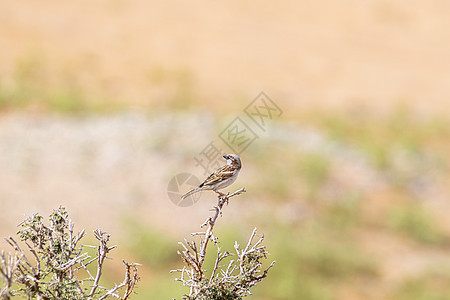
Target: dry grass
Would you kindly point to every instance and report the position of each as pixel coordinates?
(152, 53)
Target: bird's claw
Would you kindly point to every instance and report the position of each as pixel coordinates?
(220, 194)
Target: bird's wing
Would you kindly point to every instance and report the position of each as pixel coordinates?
(219, 175)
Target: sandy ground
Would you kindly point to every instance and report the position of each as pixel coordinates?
(107, 169)
(324, 53)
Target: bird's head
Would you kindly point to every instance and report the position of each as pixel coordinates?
(233, 160)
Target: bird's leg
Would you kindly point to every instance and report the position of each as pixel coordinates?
(220, 194)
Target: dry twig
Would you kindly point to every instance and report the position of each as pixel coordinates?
(230, 281)
(59, 268)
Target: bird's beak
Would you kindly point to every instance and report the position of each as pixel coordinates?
(225, 156)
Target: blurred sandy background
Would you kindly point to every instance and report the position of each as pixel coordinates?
(103, 102)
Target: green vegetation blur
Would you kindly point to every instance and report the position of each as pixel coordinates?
(352, 194)
(329, 244)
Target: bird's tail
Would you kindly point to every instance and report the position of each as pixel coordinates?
(191, 192)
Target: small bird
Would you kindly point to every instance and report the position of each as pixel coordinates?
(221, 178)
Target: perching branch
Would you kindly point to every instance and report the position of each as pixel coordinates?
(194, 257)
(211, 222)
(231, 281)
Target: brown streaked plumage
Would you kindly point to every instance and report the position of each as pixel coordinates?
(221, 178)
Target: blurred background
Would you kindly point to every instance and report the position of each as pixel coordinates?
(103, 102)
